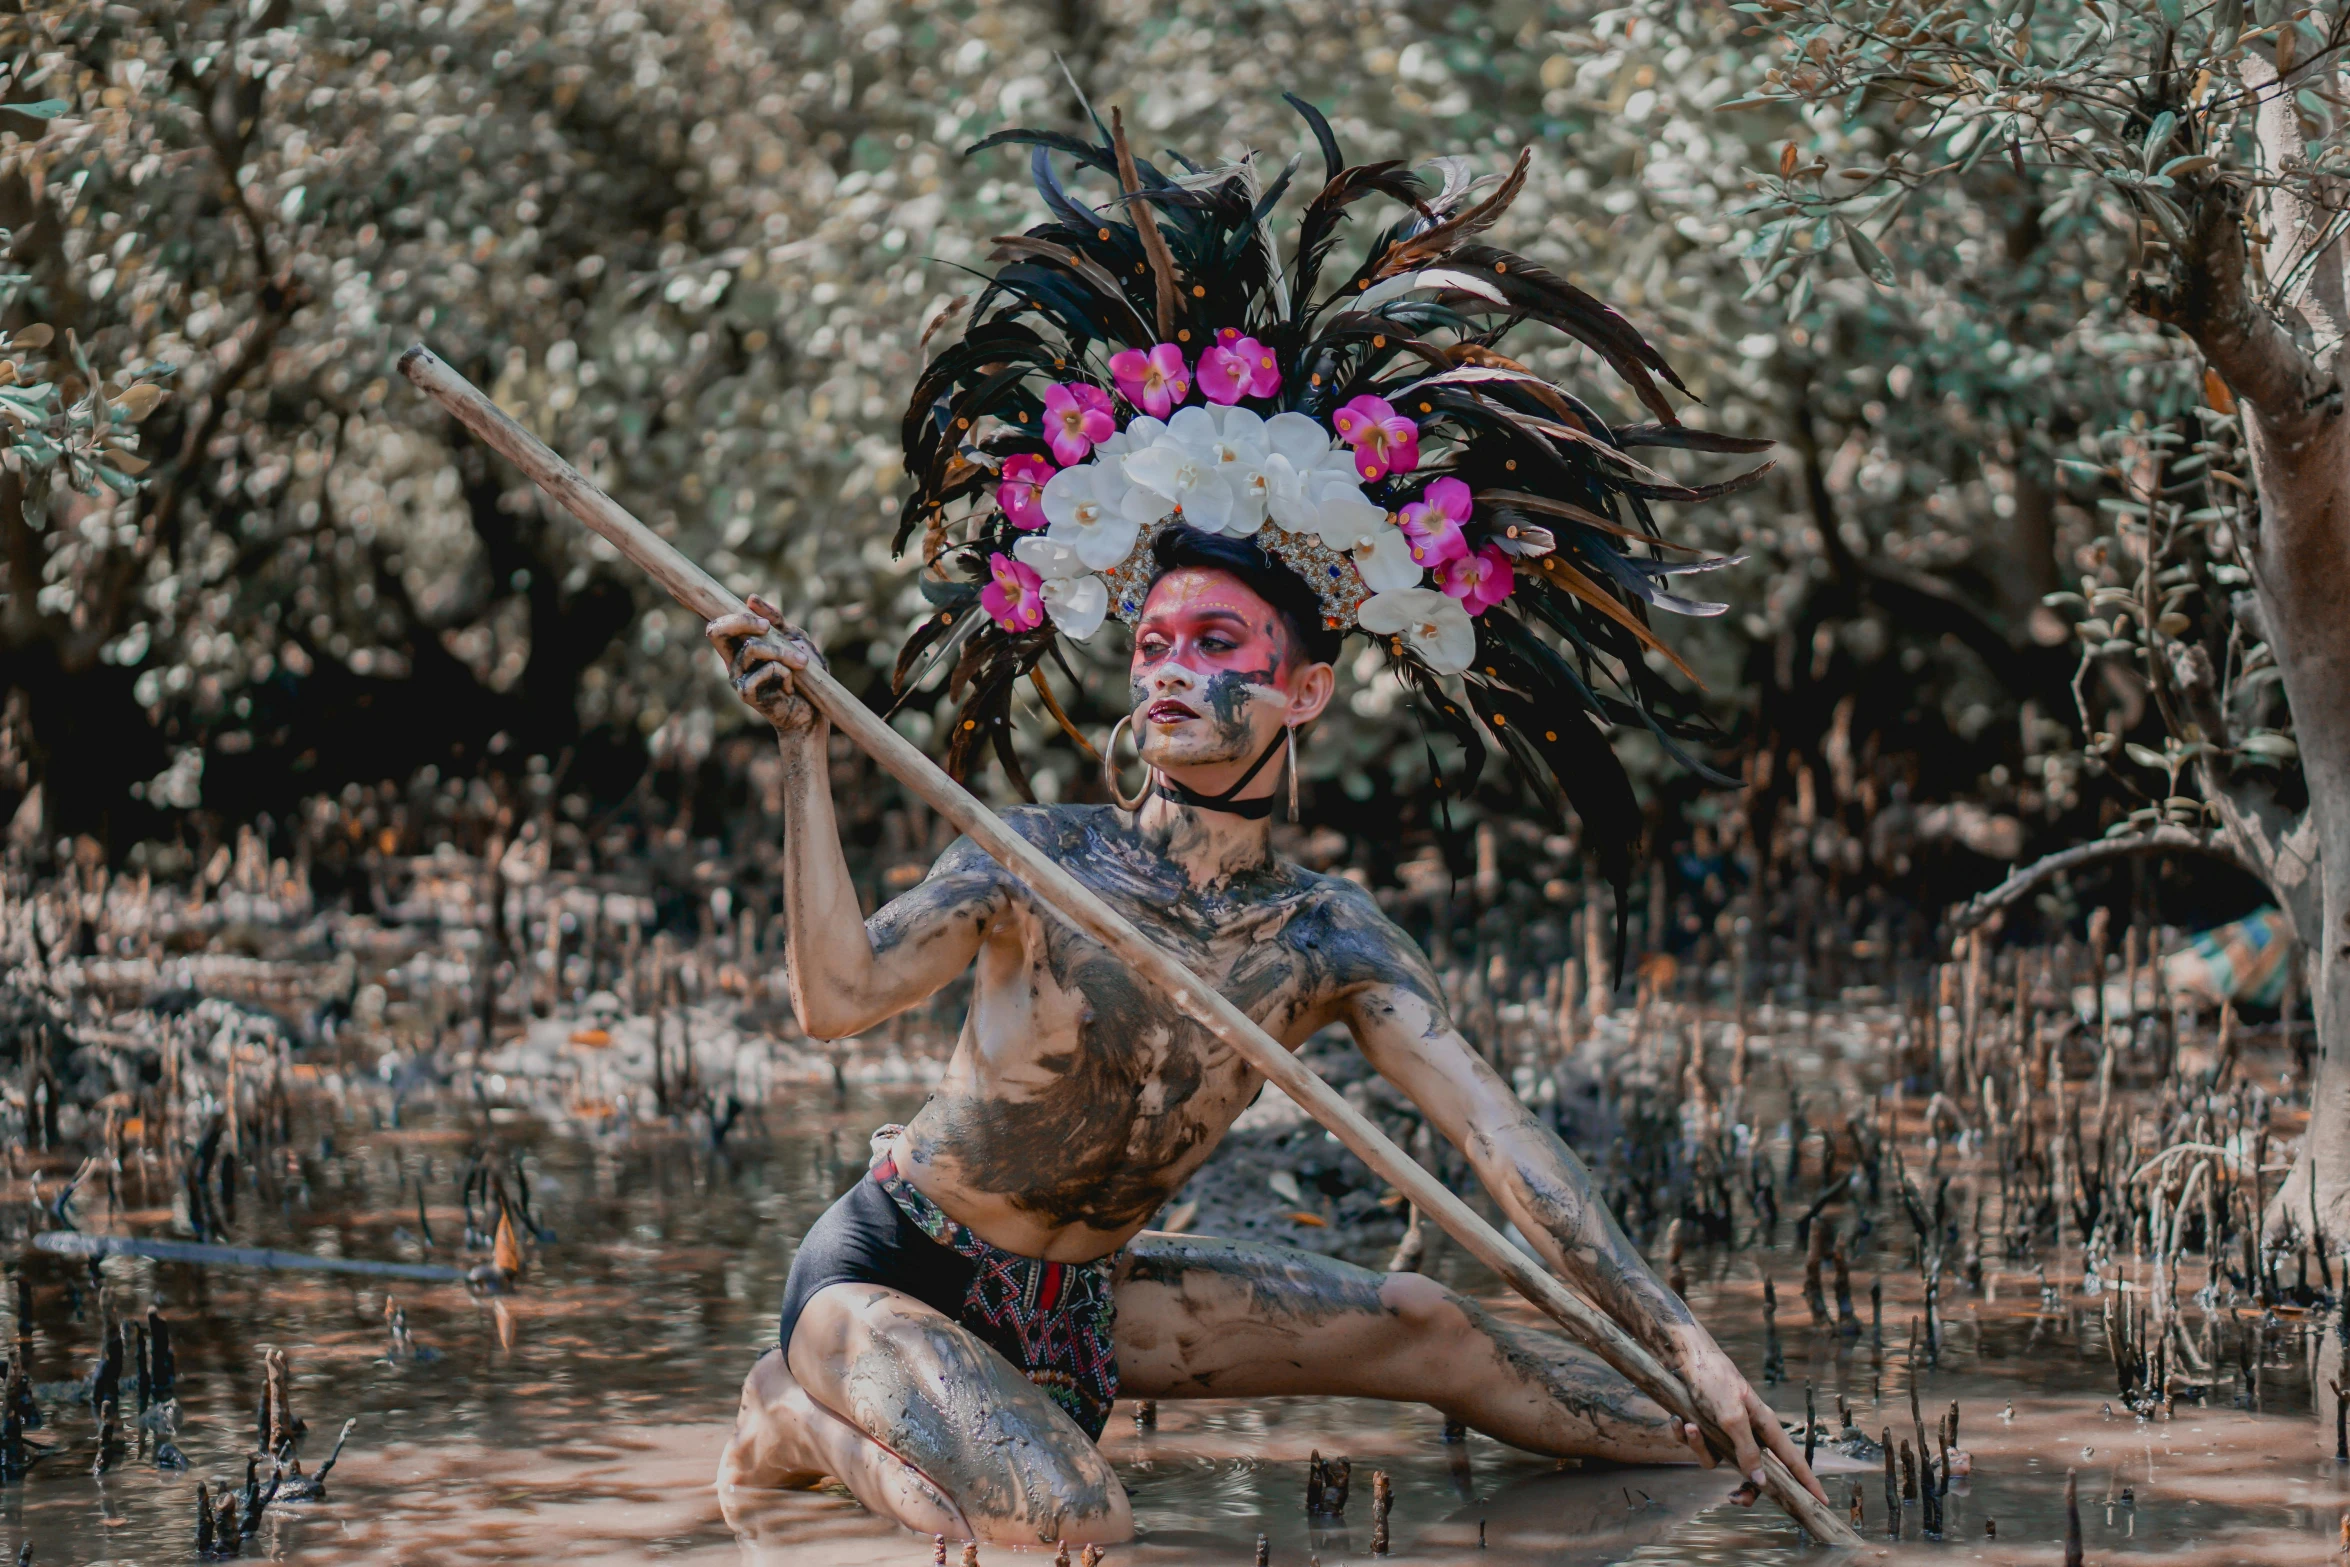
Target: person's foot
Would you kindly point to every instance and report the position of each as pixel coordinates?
(771, 1448)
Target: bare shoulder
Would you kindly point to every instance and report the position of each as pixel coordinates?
(1340, 929)
(1056, 829)
(1081, 838)
(964, 882)
(1059, 829)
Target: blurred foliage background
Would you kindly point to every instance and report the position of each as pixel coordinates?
(695, 244)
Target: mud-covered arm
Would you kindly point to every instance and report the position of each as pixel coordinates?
(1402, 1028)
(1391, 1001)
(846, 973)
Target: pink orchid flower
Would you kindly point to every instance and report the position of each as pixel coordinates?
(1015, 599)
(1021, 491)
(1433, 523)
(1385, 441)
(1479, 581)
(1237, 367)
(1076, 418)
(1154, 382)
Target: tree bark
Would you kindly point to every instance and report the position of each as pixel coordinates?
(2298, 440)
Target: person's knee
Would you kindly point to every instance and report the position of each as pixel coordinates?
(1425, 1311)
(1064, 1494)
(768, 1384)
(961, 1415)
(1430, 1343)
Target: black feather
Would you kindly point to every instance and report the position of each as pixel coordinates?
(1318, 229)
(927, 634)
(1542, 295)
(1057, 199)
(1700, 492)
(1687, 439)
(1332, 159)
(1577, 757)
(1438, 706)
(1085, 152)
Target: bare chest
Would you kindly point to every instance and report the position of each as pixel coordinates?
(1071, 985)
(1099, 1069)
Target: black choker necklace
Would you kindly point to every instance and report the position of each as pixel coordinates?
(1255, 810)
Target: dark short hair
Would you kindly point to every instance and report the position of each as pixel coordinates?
(1299, 607)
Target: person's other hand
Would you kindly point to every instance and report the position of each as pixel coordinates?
(762, 655)
(1724, 1397)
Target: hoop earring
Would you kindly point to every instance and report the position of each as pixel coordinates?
(1110, 769)
(1289, 739)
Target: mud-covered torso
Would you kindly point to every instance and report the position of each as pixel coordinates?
(1078, 1099)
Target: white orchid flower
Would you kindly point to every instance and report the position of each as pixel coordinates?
(1309, 485)
(1333, 471)
(1281, 488)
(1140, 431)
(1256, 486)
(1077, 605)
(1233, 440)
(1086, 509)
(1430, 623)
(1075, 598)
(1384, 557)
(1342, 516)
(1048, 557)
(1183, 466)
(1294, 445)
(1300, 438)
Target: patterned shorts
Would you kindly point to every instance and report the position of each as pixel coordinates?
(1054, 1320)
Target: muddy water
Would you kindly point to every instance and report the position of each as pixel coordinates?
(579, 1418)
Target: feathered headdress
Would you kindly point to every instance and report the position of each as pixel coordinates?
(1158, 364)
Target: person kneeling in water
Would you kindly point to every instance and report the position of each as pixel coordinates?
(955, 1327)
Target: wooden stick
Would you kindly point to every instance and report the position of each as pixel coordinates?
(1077, 903)
(69, 1243)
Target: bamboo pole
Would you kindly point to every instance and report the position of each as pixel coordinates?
(1074, 901)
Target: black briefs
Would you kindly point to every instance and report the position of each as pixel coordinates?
(864, 1238)
(1056, 1321)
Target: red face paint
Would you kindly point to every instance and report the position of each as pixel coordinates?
(1210, 623)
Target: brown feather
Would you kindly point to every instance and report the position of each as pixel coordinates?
(1430, 245)
(1051, 705)
(1566, 576)
(1484, 358)
(1146, 227)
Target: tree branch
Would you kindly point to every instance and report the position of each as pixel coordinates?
(2297, 212)
(2274, 842)
(2162, 840)
(2209, 295)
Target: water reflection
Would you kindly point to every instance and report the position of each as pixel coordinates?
(581, 1415)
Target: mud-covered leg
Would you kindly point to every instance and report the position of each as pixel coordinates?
(926, 1395)
(1207, 1318)
(785, 1440)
